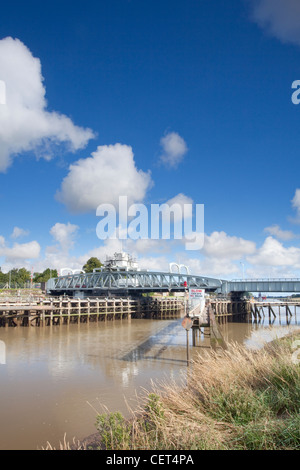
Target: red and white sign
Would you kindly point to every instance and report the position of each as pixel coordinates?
(197, 293)
(187, 323)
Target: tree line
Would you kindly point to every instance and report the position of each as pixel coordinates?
(21, 276)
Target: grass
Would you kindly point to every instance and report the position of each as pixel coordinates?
(236, 399)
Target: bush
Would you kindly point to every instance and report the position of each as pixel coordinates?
(113, 430)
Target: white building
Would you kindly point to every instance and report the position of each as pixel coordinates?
(121, 262)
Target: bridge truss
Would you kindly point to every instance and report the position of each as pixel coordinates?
(129, 281)
(102, 282)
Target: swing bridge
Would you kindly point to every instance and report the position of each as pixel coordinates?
(115, 280)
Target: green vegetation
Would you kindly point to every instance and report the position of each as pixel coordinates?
(45, 275)
(114, 431)
(15, 277)
(21, 277)
(3, 277)
(233, 400)
(91, 264)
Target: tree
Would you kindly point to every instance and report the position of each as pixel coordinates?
(91, 264)
(3, 277)
(45, 275)
(18, 276)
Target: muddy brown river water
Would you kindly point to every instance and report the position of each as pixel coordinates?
(55, 379)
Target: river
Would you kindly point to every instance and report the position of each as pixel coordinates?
(55, 379)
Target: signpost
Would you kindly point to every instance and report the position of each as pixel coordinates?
(187, 323)
(197, 294)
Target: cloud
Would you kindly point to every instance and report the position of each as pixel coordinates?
(212, 267)
(219, 255)
(220, 245)
(280, 18)
(25, 123)
(55, 256)
(270, 272)
(154, 263)
(276, 231)
(2, 92)
(19, 252)
(174, 149)
(296, 206)
(273, 253)
(296, 201)
(185, 203)
(221, 259)
(64, 234)
(217, 260)
(19, 232)
(102, 178)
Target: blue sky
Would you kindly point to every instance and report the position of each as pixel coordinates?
(94, 90)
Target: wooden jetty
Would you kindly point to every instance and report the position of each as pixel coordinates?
(58, 311)
(274, 309)
(64, 310)
(218, 311)
(258, 310)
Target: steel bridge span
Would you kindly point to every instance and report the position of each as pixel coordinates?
(131, 282)
(262, 285)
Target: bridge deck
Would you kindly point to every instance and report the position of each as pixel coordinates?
(142, 281)
(145, 281)
(262, 285)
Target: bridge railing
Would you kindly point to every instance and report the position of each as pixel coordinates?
(265, 279)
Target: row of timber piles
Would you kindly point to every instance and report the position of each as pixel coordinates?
(59, 311)
(274, 310)
(159, 308)
(257, 310)
(230, 307)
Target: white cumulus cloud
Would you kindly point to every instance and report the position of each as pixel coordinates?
(102, 178)
(185, 203)
(280, 18)
(296, 201)
(220, 268)
(277, 232)
(25, 123)
(174, 149)
(64, 234)
(220, 245)
(19, 232)
(19, 252)
(273, 253)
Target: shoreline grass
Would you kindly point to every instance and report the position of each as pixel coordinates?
(237, 399)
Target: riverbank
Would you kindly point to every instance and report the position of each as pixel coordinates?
(237, 399)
